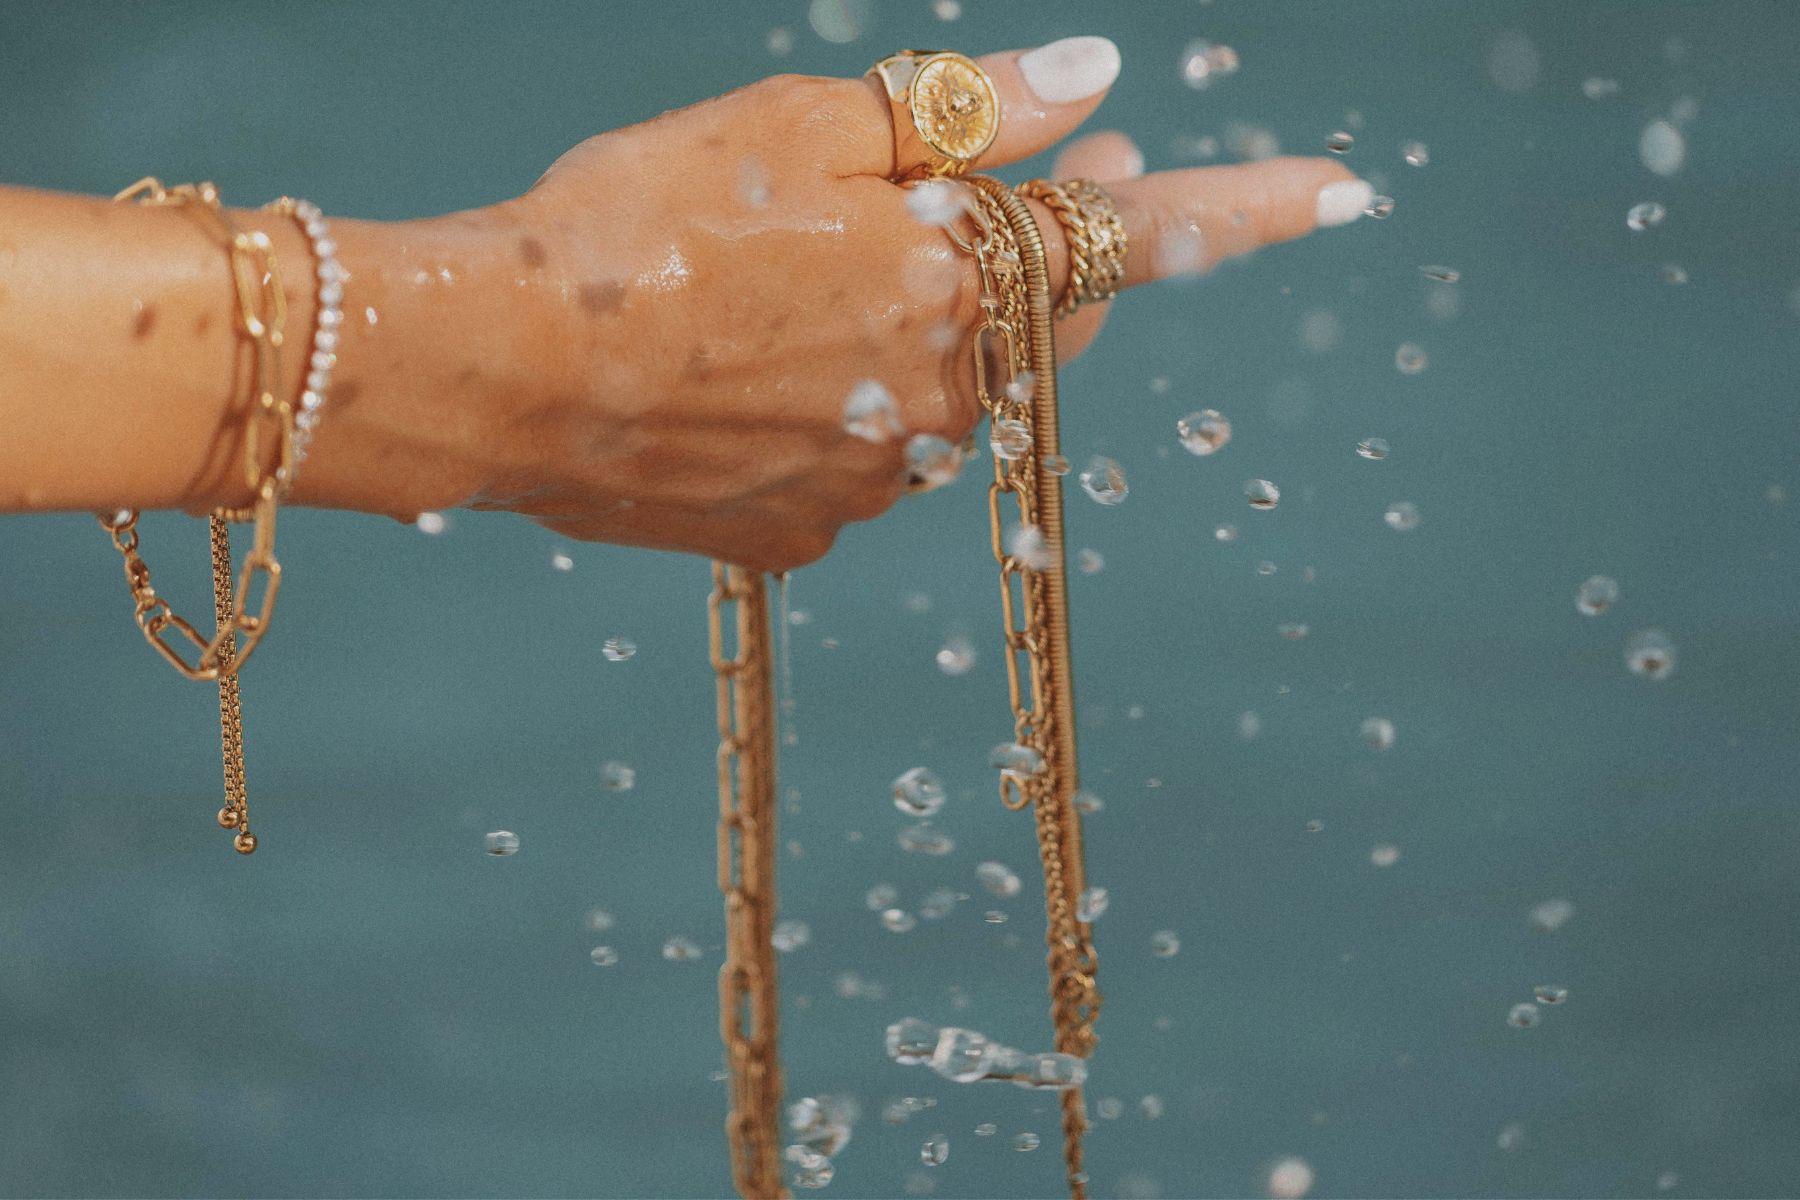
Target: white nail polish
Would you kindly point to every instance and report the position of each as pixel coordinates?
(1342, 202)
(1070, 70)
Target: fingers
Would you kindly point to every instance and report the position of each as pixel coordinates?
(1105, 157)
(1044, 94)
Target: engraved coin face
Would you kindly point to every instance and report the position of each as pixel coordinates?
(954, 108)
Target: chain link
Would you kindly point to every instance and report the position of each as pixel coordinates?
(748, 997)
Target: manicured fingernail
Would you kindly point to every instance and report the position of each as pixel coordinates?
(1342, 202)
(1070, 70)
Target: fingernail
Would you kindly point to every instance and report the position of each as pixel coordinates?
(1070, 70)
(1342, 202)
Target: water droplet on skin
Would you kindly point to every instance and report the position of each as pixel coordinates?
(1416, 154)
(922, 839)
(680, 949)
(1645, 216)
(1523, 1016)
(956, 656)
(1011, 439)
(935, 1150)
(1552, 915)
(871, 414)
(1674, 274)
(1262, 494)
(618, 649)
(881, 896)
(1374, 449)
(1384, 856)
(500, 843)
(1549, 993)
(1226, 533)
(1441, 274)
(562, 562)
(1104, 481)
(603, 956)
(1164, 943)
(1055, 464)
(1204, 64)
(1150, 1107)
(617, 777)
(1091, 905)
(1087, 804)
(1289, 1179)
(1381, 207)
(1027, 544)
(898, 920)
(998, 878)
(789, 936)
(753, 183)
(1650, 654)
(1378, 732)
(1339, 142)
(1596, 594)
(919, 792)
(937, 202)
(1402, 515)
(598, 920)
(1109, 1108)
(1025, 1142)
(1203, 432)
(432, 523)
(1409, 359)
(1090, 562)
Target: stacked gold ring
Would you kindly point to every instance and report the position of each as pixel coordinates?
(1095, 234)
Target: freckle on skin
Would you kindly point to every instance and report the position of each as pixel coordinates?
(202, 325)
(146, 320)
(531, 252)
(600, 298)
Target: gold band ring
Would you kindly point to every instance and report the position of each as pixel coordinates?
(1096, 237)
(945, 111)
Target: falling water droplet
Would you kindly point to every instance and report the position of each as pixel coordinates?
(1090, 562)
(1596, 594)
(617, 777)
(919, 792)
(1164, 943)
(1416, 154)
(1552, 915)
(1104, 481)
(1402, 515)
(1549, 993)
(1339, 142)
(1374, 449)
(1028, 544)
(898, 920)
(603, 956)
(1441, 274)
(500, 843)
(956, 656)
(1523, 1016)
(998, 878)
(680, 949)
(1289, 1179)
(1381, 207)
(1410, 359)
(922, 839)
(1650, 654)
(935, 1150)
(1011, 439)
(1091, 904)
(1645, 216)
(789, 936)
(1262, 494)
(1025, 1142)
(618, 649)
(1378, 732)
(1384, 856)
(1203, 432)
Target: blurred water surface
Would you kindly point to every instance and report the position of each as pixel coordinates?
(373, 1006)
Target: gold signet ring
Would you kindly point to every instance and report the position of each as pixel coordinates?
(945, 110)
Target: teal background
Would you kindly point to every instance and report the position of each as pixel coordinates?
(372, 1006)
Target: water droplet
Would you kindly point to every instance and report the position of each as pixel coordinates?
(1385, 856)
(1090, 562)
(1055, 465)
(618, 649)
(1378, 732)
(910, 1041)
(680, 949)
(1262, 494)
(799, 616)
(1150, 1107)
(1164, 943)
(815, 1172)
(935, 1150)
(1596, 88)
(917, 602)
(779, 41)
(1667, 1180)
(1315, 826)
(1644, 216)
(1226, 533)
(616, 776)
(919, 792)
(937, 904)
(598, 920)
(1552, 915)
(562, 562)
(1416, 154)
(1010, 438)
(1293, 631)
(994, 916)
(432, 523)
(1025, 1141)
(1104, 481)
(852, 986)
(1289, 1179)
(1410, 359)
(1203, 432)
(1339, 142)
(998, 878)
(963, 1056)
(1512, 1136)
(937, 202)
(1022, 387)
(1374, 449)
(500, 843)
(871, 414)
(1091, 904)
(898, 920)
(1110, 1108)
(932, 460)
(986, 1129)
(753, 183)
(1674, 273)
(1402, 515)
(1319, 332)
(922, 839)
(840, 21)
(1203, 64)
(1662, 148)
(1030, 547)
(1650, 654)
(1522, 1016)
(1549, 993)
(1596, 594)
(1015, 759)
(881, 896)
(789, 936)
(1249, 725)
(603, 956)
(1381, 208)
(946, 10)
(956, 656)
(1441, 274)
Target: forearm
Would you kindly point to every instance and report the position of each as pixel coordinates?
(122, 372)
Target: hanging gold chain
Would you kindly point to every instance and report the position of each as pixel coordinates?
(1016, 339)
(748, 997)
